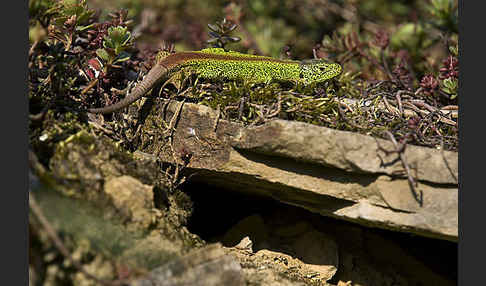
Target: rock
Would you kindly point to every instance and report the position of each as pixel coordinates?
(344, 150)
(86, 161)
(203, 267)
(132, 198)
(333, 173)
(245, 244)
(253, 227)
(296, 245)
(319, 252)
(322, 272)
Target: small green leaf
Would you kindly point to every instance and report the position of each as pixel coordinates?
(232, 27)
(212, 40)
(213, 27)
(454, 50)
(450, 87)
(117, 39)
(231, 39)
(82, 28)
(122, 57)
(213, 34)
(103, 54)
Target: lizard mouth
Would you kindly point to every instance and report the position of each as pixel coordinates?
(334, 70)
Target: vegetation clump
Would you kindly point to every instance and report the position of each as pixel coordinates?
(400, 73)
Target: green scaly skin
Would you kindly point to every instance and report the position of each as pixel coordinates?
(216, 63)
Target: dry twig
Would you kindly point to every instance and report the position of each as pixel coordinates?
(400, 150)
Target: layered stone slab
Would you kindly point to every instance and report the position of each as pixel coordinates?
(330, 172)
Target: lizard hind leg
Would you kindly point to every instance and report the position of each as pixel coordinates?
(177, 79)
(161, 55)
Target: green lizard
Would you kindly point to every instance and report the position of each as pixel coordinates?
(217, 63)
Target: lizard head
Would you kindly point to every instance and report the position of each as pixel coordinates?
(318, 71)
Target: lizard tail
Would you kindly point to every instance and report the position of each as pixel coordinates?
(153, 76)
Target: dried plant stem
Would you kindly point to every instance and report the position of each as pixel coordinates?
(400, 150)
(90, 86)
(410, 108)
